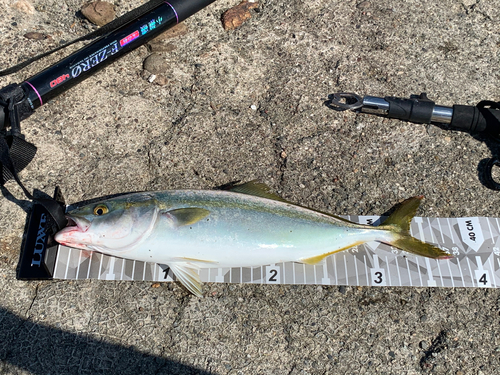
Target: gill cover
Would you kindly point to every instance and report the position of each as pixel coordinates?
(111, 226)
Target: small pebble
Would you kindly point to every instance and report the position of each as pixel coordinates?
(24, 6)
(254, 107)
(161, 80)
(155, 285)
(424, 345)
(156, 64)
(34, 36)
(161, 47)
(99, 12)
(234, 17)
(363, 5)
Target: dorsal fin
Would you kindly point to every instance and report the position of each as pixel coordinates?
(257, 189)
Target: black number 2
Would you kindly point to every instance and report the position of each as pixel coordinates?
(273, 273)
(378, 280)
(483, 279)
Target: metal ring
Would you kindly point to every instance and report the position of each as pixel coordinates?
(347, 100)
(492, 184)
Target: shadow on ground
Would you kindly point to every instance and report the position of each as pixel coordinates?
(41, 350)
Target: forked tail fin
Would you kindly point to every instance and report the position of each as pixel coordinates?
(399, 224)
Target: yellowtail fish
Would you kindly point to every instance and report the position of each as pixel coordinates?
(244, 226)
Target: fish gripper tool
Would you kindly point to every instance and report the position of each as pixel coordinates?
(483, 118)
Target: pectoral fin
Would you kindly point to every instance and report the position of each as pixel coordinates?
(187, 216)
(188, 277)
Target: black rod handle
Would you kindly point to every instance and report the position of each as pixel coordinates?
(416, 109)
(477, 118)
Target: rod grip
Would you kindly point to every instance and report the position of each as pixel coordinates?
(476, 119)
(417, 109)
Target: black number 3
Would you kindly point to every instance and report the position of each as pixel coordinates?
(379, 277)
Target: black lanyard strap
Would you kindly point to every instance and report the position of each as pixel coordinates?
(15, 155)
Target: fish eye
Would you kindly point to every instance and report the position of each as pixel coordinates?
(101, 210)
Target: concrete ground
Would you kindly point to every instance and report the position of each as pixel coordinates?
(117, 132)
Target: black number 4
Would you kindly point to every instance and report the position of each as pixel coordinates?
(378, 280)
(483, 279)
(274, 273)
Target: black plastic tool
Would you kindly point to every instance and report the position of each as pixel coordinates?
(484, 117)
(481, 118)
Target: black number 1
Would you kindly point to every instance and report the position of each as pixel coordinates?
(165, 271)
(273, 276)
(483, 279)
(379, 277)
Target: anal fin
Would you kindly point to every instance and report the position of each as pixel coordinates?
(318, 258)
(195, 261)
(187, 275)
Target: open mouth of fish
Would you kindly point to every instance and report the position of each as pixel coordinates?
(71, 235)
(75, 224)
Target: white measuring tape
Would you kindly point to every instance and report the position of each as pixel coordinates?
(474, 243)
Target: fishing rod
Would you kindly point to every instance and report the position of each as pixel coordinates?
(19, 101)
(68, 72)
(482, 118)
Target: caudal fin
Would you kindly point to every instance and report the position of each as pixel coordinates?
(399, 224)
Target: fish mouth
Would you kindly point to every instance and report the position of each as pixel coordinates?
(78, 224)
(71, 234)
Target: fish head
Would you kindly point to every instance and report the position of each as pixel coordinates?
(111, 226)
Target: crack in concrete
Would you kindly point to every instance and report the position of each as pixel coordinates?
(32, 301)
(22, 323)
(282, 160)
(184, 115)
